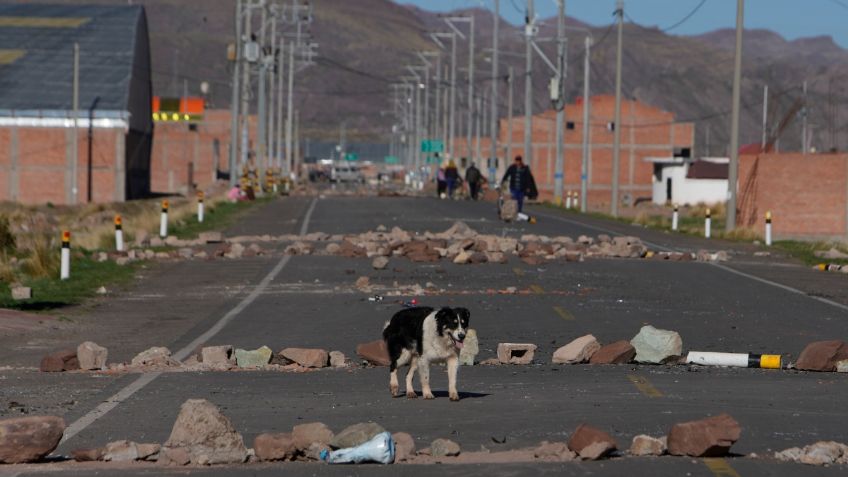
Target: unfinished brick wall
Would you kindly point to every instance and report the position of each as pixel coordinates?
(807, 194)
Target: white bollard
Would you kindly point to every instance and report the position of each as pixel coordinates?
(675, 218)
(708, 222)
(568, 200)
(736, 360)
(163, 223)
(200, 207)
(65, 269)
(119, 234)
(768, 228)
(575, 200)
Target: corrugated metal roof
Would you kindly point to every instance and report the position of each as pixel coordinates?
(36, 55)
(707, 170)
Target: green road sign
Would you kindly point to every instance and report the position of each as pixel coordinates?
(351, 156)
(432, 145)
(391, 160)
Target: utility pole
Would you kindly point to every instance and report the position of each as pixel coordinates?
(558, 97)
(290, 110)
(234, 101)
(765, 117)
(804, 141)
(75, 138)
(245, 86)
(477, 133)
(529, 32)
(471, 111)
(281, 61)
(272, 112)
(616, 150)
(509, 107)
(494, 97)
(297, 139)
(733, 169)
(584, 169)
(261, 101)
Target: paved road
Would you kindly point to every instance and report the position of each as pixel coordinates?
(309, 301)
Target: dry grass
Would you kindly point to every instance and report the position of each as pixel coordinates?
(43, 259)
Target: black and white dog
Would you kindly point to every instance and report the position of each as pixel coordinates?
(423, 335)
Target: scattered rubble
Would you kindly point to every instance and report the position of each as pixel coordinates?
(591, 443)
(404, 446)
(92, 356)
(253, 359)
(646, 445)
(355, 435)
(156, 356)
(710, 437)
(374, 352)
(205, 435)
(822, 355)
(554, 451)
(578, 351)
(516, 353)
(270, 447)
(620, 352)
(656, 346)
(305, 435)
(29, 439)
(444, 448)
(309, 358)
(59, 361)
(820, 453)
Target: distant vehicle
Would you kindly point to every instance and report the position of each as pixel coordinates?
(346, 173)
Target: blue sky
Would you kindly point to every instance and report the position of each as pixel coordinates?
(790, 18)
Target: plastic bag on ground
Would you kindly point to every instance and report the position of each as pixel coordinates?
(380, 449)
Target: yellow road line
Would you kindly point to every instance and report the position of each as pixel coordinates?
(10, 56)
(563, 313)
(720, 467)
(518, 271)
(644, 386)
(537, 289)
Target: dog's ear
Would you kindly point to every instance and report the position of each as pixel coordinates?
(463, 314)
(443, 319)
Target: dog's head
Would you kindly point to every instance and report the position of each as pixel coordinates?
(453, 323)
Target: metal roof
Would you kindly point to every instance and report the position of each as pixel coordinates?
(36, 55)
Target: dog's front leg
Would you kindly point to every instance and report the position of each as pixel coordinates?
(393, 382)
(453, 368)
(424, 375)
(410, 392)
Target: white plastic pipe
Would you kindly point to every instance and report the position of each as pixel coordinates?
(200, 211)
(708, 222)
(568, 200)
(119, 240)
(575, 200)
(674, 219)
(163, 222)
(707, 358)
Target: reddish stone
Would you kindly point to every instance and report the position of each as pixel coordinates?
(60, 361)
(374, 352)
(591, 443)
(710, 437)
(620, 352)
(348, 249)
(29, 439)
(822, 355)
(275, 446)
(310, 358)
(304, 435)
(87, 455)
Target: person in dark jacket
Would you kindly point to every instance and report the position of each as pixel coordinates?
(473, 178)
(451, 177)
(521, 182)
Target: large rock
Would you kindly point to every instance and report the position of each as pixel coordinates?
(710, 437)
(404, 446)
(275, 447)
(516, 353)
(337, 359)
(217, 355)
(305, 435)
(820, 453)
(253, 358)
(591, 443)
(578, 351)
(380, 263)
(374, 352)
(356, 434)
(29, 439)
(655, 346)
(620, 352)
(60, 361)
(155, 356)
(120, 451)
(459, 229)
(444, 448)
(647, 445)
(206, 435)
(822, 355)
(88, 455)
(92, 356)
(309, 358)
(470, 348)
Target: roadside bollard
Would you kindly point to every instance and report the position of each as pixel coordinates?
(163, 223)
(568, 200)
(65, 268)
(768, 228)
(737, 360)
(119, 234)
(200, 207)
(708, 222)
(575, 200)
(675, 217)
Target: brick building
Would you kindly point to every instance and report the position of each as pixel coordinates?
(807, 194)
(37, 126)
(646, 131)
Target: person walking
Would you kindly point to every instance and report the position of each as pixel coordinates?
(473, 178)
(521, 182)
(451, 177)
(441, 183)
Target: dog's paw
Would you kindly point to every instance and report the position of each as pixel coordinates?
(429, 396)
(394, 390)
(411, 395)
(454, 396)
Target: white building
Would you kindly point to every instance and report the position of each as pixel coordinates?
(684, 181)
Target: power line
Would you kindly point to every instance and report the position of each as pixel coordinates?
(687, 17)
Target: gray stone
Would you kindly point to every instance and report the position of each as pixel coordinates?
(823, 453)
(654, 345)
(516, 353)
(470, 348)
(253, 358)
(206, 435)
(444, 448)
(404, 446)
(578, 351)
(355, 435)
(380, 263)
(217, 355)
(305, 435)
(21, 293)
(155, 356)
(91, 356)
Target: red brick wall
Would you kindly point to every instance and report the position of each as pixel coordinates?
(807, 194)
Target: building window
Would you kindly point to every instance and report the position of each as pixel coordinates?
(569, 125)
